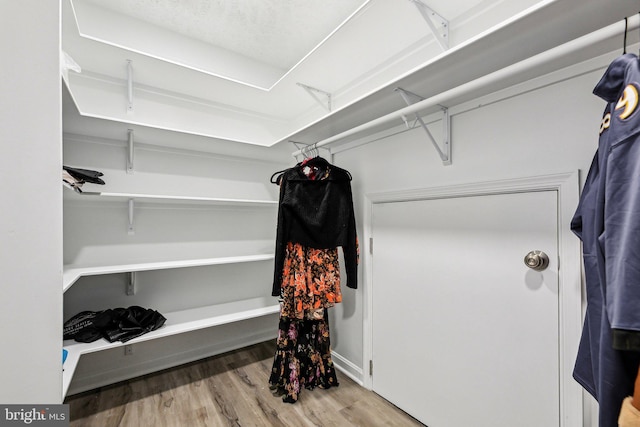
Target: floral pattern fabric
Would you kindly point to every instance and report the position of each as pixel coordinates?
(310, 281)
(310, 285)
(303, 358)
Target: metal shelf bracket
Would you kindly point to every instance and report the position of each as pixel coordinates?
(131, 229)
(130, 151)
(325, 103)
(129, 86)
(439, 26)
(131, 283)
(445, 151)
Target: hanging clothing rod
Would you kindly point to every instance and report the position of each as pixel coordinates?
(435, 103)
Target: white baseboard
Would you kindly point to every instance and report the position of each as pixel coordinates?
(348, 368)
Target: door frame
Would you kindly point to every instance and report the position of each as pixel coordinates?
(566, 186)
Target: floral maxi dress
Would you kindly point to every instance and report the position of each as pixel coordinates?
(310, 285)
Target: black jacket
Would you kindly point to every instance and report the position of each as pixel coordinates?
(318, 214)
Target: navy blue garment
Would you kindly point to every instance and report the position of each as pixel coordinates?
(608, 223)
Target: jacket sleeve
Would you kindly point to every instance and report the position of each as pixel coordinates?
(280, 244)
(351, 259)
(351, 250)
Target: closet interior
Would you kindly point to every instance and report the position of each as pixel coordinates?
(187, 134)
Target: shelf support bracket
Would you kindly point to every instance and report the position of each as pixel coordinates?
(130, 147)
(445, 151)
(317, 94)
(438, 25)
(129, 86)
(131, 229)
(131, 283)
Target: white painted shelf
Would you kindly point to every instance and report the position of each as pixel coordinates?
(178, 322)
(164, 199)
(72, 273)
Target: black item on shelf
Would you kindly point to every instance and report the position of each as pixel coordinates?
(118, 324)
(72, 182)
(85, 175)
(86, 326)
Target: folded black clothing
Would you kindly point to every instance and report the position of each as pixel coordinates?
(85, 175)
(132, 322)
(118, 324)
(87, 326)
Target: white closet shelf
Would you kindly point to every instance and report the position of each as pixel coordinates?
(178, 322)
(165, 199)
(72, 273)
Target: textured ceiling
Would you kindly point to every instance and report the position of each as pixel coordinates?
(276, 32)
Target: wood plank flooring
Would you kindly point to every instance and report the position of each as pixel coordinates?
(229, 390)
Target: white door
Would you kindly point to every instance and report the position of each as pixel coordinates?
(464, 334)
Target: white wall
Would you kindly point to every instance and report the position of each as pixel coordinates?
(530, 132)
(31, 214)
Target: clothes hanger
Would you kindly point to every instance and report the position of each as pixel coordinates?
(626, 29)
(277, 176)
(624, 45)
(310, 154)
(311, 151)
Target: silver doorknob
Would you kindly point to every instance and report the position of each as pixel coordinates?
(536, 260)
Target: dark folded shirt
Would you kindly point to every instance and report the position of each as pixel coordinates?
(118, 324)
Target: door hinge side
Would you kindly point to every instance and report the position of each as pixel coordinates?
(370, 367)
(371, 245)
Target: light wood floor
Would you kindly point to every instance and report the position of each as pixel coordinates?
(229, 390)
